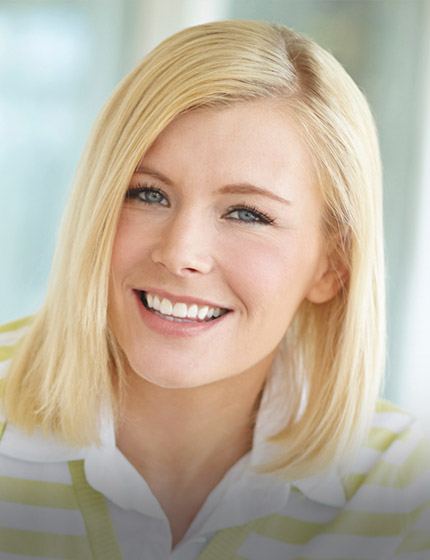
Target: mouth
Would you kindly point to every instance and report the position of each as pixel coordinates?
(179, 311)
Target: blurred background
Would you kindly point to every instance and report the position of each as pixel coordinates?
(60, 60)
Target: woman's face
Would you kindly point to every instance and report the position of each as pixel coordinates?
(222, 218)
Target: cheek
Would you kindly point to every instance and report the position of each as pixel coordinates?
(264, 273)
(128, 248)
(272, 275)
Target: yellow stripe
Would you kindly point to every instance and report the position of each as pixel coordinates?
(15, 325)
(49, 545)
(286, 529)
(380, 438)
(37, 493)
(387, 406)
(391, 476)
(224, 544)
(367, 524)
(6, 352)
(383, 474)
(296, 531)
(416, 541)
(2, 428)
(351, 484)
(95, 512)
(416, 464)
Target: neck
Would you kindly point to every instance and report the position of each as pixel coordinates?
(183, 441)
(180, 432)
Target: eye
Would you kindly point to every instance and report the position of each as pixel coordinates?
(147, 195)
(250, 215)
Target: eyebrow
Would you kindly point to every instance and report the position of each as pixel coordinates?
(248, 188)
(153, 173)
(235, 188)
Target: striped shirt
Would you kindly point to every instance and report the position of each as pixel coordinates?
(57, 501)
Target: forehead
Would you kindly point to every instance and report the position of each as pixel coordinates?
(267, 125)
(256, 142)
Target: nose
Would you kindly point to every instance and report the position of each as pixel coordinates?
(183, 246)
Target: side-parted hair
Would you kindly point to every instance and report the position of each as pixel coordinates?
(69, 366)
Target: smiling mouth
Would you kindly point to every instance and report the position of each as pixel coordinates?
(180, 312)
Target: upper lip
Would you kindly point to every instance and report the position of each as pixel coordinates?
(181, 298)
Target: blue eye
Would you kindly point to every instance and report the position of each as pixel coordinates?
(147, 195)
(249, 215)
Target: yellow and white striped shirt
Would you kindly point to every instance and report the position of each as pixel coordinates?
(61, 502)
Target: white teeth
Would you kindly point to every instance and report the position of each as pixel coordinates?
(203, 311)
(192, 311)
(182, 310)
(179, 310)
(166, 307)
(156, 303)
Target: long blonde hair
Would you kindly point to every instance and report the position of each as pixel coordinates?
(69, 364)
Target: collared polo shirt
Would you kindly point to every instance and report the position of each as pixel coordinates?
(57, 501)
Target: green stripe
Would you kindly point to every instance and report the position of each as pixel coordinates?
(49, 545)
(37, 493)
(15, 325)
(96, 516)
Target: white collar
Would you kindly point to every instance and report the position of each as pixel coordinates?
(325, 488)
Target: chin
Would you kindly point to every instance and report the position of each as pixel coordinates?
(173, 379)
(174, 383)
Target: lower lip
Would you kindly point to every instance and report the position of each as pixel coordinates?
(175, 328)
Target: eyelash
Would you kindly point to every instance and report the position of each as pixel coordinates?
(134, 193)
(263, 218)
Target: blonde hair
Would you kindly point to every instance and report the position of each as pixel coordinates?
(69, 364)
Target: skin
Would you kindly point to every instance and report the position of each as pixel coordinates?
(196, 241)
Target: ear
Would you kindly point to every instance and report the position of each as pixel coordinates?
(331, 277)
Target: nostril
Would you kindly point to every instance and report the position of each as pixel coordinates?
(184, 263)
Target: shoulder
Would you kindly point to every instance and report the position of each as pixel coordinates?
(39, 510)
(395, 438)
(388, 481)
(36, 486)
(395, 455)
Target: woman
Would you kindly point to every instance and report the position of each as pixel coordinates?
(202, 379)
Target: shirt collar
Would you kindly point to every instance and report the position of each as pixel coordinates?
(325, 488)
